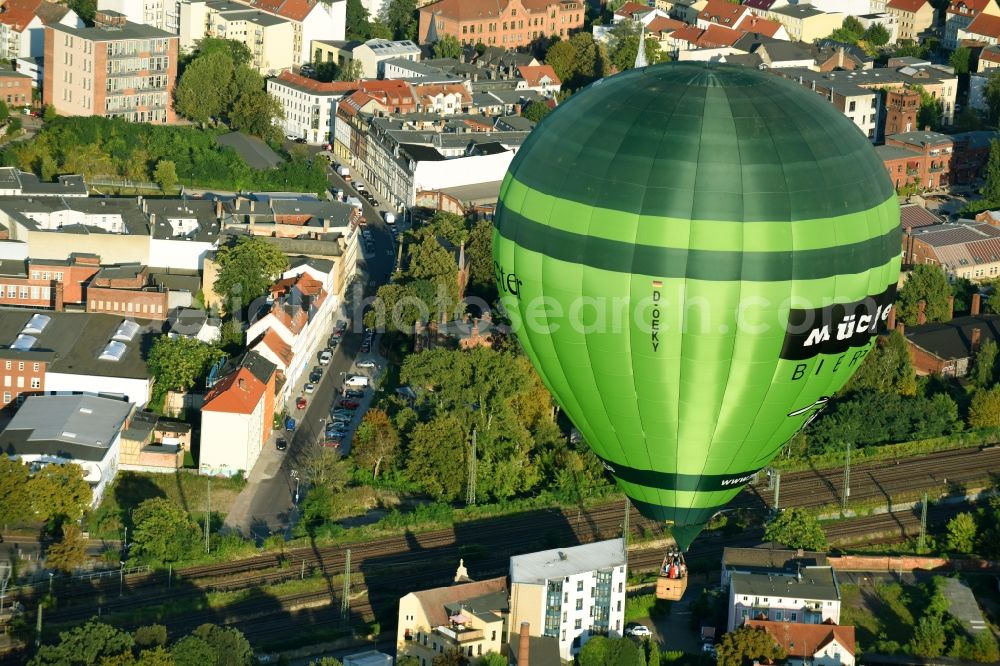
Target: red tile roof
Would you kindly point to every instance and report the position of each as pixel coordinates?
(19, 13)
(428, 91)
(968, 7)
(662, 24)
(278, 347)
(907, 5)
(760, 26)
(688, 33)
(533, 74)
(913, 216)
(805, 640)
(318, 87)
(295, 10)
(716, 36)
(433, 601)
(986, 25)
(991, 53)
(722, 12)
(631, 8)
(239, 393)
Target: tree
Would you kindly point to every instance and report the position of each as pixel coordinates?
(493, 659)
(230, 645)
(992, 94)
(70, 552)
(15, 501)
(931, 109)
(376, 441)
(877, 35)
(357, 21)
(984, 412)
(332, 661)
(959, 59)
(448, 46)
(929, 637)
(561, 57)
(238, 52)
(255, 113)
(479, 251)
(58, 493)
(983, 372)
(437, 458)
(849, 32)
(323, 467)
(353, 70)
(165, 175)
(203, 89)
(928, 283)
(991, 188)
(49, 114)
(450, 658)
(887, 368)
(746, 644)
(179, 363)
(962, 533)
(796, 528)
(247, 269)
(85, 9)
(535, 111)
(326, 71)
(652, 649)
(625, 37)
(163, 531)
(150, 635)
(397, 307)
(86, 645)
(192, 651)
(4, 111)
(400, 17)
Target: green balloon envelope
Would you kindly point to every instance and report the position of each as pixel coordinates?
(695, 257)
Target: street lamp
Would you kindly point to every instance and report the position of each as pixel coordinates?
(121, 578)
(51, 576)
(295, 475)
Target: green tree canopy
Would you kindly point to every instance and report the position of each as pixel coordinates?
(984, 370)
(437, 456)
(202, 92)
(535, 111)
(376, 441)
(849, 32)
(796, 528)
(625, 37)
(877, 35)
(479, 252)
(927, 282)
(887, 368)
(59, 493)
(561, 56)
(247, 269)
(991, 188)
(984, 412)
(163, 531)
(962, 533)
(150, 635)
(85, 645)
(70, 552)
(178, 364)
(929, 638)
(401, 17)
(448, 46)
(747, 644)
(237, 51)
(15, 501)
(960, 59)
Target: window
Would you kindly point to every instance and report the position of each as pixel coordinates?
(793, 617)
(579, 604)
(6, 397)
(7, 365)
(619, 607)
(20, 366)
(777, 616)
(579, 586)
(36, 383)
(564, 634)
(619, 588)
(7, 381)
(493, 636)
(578, 624)
(59, 277)
(37, 367)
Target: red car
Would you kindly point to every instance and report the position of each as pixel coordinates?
(349, 404)
(300, 403)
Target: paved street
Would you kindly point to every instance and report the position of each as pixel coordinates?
(267, 504)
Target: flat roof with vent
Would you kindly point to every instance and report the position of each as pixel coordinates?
(113, 351)
(558, 563)
(37, 323)
(126, 331)
(81, 427)
(24, 342)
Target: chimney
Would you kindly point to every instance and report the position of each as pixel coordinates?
(976, 303)
(901, 327)
(921, 312)
(252, 202)
(977, 334)
(152, 220)
(891, 324)
(951, 308)
(57, 302)
(242, 383)
(524, 644)
(840, 57)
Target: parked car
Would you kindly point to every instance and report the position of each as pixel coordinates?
(341, 327)
(281, 443)
(309, 387)
(349, 404)
(289, 424)
(300, 403)
(367, 364)
(366, 347)
(324, 357)
(354, 393)
(342, 414)
(331, 442)
(638, 630)
(316, 375)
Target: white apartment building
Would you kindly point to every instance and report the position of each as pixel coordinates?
(810, 596)
(570, 593)
(309, 106)
(162, 14)
(374, 52)
(265, 35)
(22, 26)
(311, 20)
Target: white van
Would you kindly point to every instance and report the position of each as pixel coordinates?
(344, 172)
(357, 381)
(390, 218)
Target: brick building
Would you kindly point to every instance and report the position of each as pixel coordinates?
(507, 24)
(921, 160)
(901, 109)
(126, 289)
(949, 348)
(114, 69)
(15, 88)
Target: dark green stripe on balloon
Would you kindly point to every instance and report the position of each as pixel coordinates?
(713, 265)
(678, 481)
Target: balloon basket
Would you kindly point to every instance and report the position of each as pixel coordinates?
(671, 581)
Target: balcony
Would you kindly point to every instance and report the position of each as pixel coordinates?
(460, 634)
(937, 169)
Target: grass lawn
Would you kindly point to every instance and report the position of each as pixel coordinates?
(189, 490)
(882, 612)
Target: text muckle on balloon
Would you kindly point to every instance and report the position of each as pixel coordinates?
(834, 329)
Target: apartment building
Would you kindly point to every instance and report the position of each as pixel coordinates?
(507, 24)
(22, 26)
(62, 352)
(914, 16)
(374, 52)
(70, 429)
(811, 644)
(266, 36)
(309, 106)
(115, 69)
(237, 417)
(919, 159)
(570, 594)
(804, 22)
(311, 20)
(960, 14)
(766, 559)
(161, 14)
(15, 88)
(811, 595)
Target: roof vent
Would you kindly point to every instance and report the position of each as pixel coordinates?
(37, 323)
(562, 556)
(86, 410)
(70, 435)
(113, 352)
(126, 331)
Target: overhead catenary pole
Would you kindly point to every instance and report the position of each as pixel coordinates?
(922, 540)
(208, 514)
(847, 479)
(777, 490)
(345, 602)
(625, 525)
(470, 486)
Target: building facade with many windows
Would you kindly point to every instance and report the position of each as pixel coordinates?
(507, 24)
(115, 69)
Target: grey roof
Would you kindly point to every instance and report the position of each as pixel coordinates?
(322, 265)
(128, 271)
(421, 153)
(387, 48)
(976, 139)
(514, 124)
(110, 34)
(543, 650)
(922, 138)
(536, 568)
(816, 583)
(73, 341)
(29, 184)
(254, 16)
(797, 11)
(874, 77)
(485, 606)
(768, 557)
(9, 73)
(176, 279)
(346, 45)
(953, 339)
(312, 247)
(81, 427)
(255, 152)
(134, 220)
(476, 193)
(895, 153)
(14, 268)
(200, 210)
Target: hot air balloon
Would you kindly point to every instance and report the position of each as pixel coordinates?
(695, 257)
